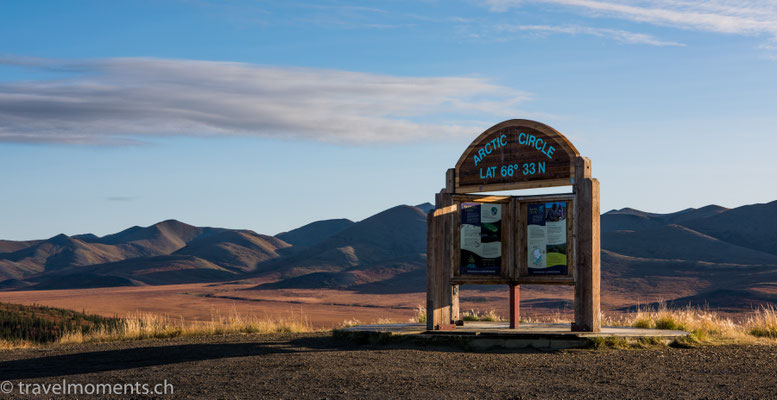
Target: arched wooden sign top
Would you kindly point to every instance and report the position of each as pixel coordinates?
(516, 154)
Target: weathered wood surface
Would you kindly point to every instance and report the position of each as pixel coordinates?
(450, 180)
(520, 143)
(479, 280)
(477, 198)
(587, 301)
(455, 309)
(515, 306)
(431, 263)
(439, 297)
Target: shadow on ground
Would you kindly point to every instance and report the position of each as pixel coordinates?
(139, 357)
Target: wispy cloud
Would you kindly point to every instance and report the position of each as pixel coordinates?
(746, 17)
(615, 34)
(121, 198)
(126, 99)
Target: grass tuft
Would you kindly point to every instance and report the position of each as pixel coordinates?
(420, 314)
(762, 322)
(349, 323)
(476, 315)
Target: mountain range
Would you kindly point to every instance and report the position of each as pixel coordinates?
(333, 253)
(724, 258)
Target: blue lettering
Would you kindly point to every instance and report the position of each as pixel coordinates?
(537, 145)
(481, 174)
(541, 167)
(550, 152)
(477, 159)
(488, 151)
(522, 138)
(503, 140)
(482, 154)
(531, 140)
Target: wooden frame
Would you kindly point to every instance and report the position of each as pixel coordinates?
(522, 276)
(506, 273)
(514, 267)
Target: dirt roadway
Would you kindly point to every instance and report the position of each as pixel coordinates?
(316, 366)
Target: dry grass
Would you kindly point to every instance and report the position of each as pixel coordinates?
(476, 315)
(420, 314)
(349, 323)
(15, 344)
(705, 326)
(147, 325)
(379, 321)
(558, 317)
(763, 323)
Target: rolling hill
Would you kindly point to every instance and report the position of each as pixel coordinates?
(377, 248)
(314, 232)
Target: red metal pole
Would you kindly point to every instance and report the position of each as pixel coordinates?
(515, 306)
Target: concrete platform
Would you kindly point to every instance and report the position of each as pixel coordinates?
(487, 335)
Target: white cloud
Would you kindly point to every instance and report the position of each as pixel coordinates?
(615, 34)
(124, 99)
(745, 17)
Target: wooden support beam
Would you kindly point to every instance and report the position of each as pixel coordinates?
(440, 232)
(455, 312)
(431, 265)
(588, 261)
(515, 306)
(450, 180)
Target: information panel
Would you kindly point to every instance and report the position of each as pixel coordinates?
(481, 238)
(546, 238)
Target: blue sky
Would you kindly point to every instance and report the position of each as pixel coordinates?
(269, 115)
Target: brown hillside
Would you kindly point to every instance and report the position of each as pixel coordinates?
(237, 251)
(753, 226)
(397, 233)
(314, 232)
(676, 242)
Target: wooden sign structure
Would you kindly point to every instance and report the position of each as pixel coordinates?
(494, 239)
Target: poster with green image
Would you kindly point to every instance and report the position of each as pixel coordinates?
(546, 236)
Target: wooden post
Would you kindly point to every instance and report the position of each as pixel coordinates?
(455, 312)
(587, 307)
(439, 299)
(515, 306)
(431, 263)
(450, 187)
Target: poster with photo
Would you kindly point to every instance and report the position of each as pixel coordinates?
(481, 238)
(546, 238)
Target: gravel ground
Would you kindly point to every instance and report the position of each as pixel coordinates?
(291, 366)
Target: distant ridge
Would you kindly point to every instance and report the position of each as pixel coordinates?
(425, 207)
(314, 232)
(632, 219)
